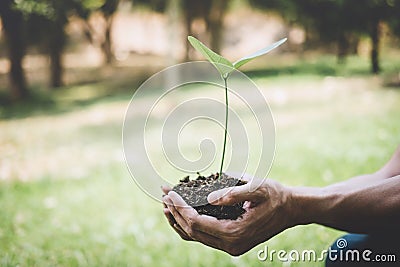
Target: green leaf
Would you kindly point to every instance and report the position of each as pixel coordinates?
(261, 52)
(92, 4)
(223, 65)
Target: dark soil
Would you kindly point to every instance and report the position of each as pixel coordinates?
(195, 193)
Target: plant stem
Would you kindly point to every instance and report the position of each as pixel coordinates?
(226, 124)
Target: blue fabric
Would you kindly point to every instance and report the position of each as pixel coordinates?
(381, 247)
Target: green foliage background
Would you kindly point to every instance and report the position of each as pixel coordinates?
(79, 207)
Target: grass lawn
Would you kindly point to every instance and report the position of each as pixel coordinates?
(66, 197)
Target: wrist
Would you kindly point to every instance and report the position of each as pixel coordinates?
(313, 205)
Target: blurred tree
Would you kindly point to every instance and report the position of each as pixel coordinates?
(51, 17)
(334, 22)
(288, 10)
(192, 10)
(57, 40)
(327, 18)
(212, 12)
(155, 5)
(107, 9)
(13, 26)
(363, 18)
(173, 11)
(339, 21)
(394, 18)
(47, 20)
(215, 22)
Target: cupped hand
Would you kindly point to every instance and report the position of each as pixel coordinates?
(268, 212)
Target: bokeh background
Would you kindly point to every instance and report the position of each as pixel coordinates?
(69, 68)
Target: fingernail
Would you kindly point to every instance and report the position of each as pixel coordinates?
(212, 198)
(167, 199)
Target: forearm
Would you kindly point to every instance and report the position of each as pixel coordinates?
(356, 206)
(358, 182)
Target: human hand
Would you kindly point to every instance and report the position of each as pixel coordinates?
(268, 212)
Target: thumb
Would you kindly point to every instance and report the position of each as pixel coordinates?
(233, 195)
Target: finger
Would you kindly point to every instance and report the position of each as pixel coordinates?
(170, 218)
(233, 195)
(185, 229)
(209, 240)
(178, 218)
(166, 189)
(166, 211)
(175, 226)
(168, 215)
(182, 233)
(180, 221)
(194, 221)
(199, 236)
(202, 228)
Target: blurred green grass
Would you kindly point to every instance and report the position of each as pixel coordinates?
(66, 197)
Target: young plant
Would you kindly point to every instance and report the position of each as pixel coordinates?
(225, 67)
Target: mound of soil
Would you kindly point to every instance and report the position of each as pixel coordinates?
(195, 193)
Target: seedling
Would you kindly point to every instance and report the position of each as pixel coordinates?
(225, 67)
(195, 192)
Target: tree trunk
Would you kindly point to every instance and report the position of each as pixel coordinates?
(13, 25)
(216, 21)
(106, 46)
(56, 48)
(174, 14)
(188, 26)
(375, 38)
(343, 47)
(56, 69)
(108, 9)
